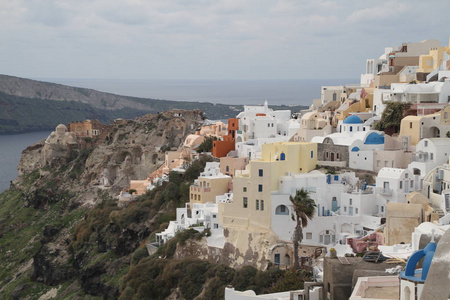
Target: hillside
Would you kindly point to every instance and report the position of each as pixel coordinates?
(29, 105)
(63, 235)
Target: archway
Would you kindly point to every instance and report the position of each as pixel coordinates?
(434, 132)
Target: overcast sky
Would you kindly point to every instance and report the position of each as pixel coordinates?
(201, 39)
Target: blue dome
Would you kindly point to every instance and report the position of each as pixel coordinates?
(374, 139)
(355, 149)
(352, 120)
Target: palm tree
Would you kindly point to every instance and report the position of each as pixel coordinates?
(304, 208)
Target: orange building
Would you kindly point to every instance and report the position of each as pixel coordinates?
(88, 128)
(221, 148)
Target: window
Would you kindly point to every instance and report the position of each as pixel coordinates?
(345, 208)
(410, 124)
(412, 183)
(356, 209)
(351, 201)
(260, 188)
(257, 204)
(281, 210)
(282, 156)
(382, 208)
(214, 216)
(268, 124)
(227, 168)
(216, 226)
(431, 156)
(401, 184)
(244, 189)
(426, 143)
(262, 204)
(312, 154)
(245, 202)
(351, 128)
(309, 235)
(272, 124)
(261, 172)
(337, 155)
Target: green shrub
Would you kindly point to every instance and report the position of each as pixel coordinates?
(139, 254)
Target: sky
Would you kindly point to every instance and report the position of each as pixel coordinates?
(202, 39)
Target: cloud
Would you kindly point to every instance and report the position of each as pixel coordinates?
(207, 38)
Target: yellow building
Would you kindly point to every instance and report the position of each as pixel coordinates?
(410, 126)
(431, 61)
(250, 209)
(428, 126)
(205, 189)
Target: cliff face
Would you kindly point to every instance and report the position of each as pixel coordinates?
(61, 229)
(131, 150)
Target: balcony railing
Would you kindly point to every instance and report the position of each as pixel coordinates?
(420, 158)
(384, 191)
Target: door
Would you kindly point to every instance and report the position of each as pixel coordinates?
(277, 259)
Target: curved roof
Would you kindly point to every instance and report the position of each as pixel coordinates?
(352, 120)
(374, 139)
(355, 149)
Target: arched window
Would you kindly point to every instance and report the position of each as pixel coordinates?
(282, 156)
(282, 210)
(227, 169)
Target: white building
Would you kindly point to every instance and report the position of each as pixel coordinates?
(260, 125)
(436, 186)
(345, 207)
(392, 185)
(430, 153)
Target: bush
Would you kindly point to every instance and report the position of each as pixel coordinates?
(139, 254)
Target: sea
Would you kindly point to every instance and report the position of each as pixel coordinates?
(11, 147)
(247, 92)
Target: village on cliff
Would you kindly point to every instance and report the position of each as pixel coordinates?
(373, 156)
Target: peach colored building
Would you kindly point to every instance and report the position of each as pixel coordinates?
(205, 189)
(229, 164)
(218, 129)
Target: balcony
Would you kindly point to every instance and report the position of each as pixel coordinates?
(384, 191)
(420, 157)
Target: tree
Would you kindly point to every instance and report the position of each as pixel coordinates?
(207, 144)
(304, 208)
(392, 116)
